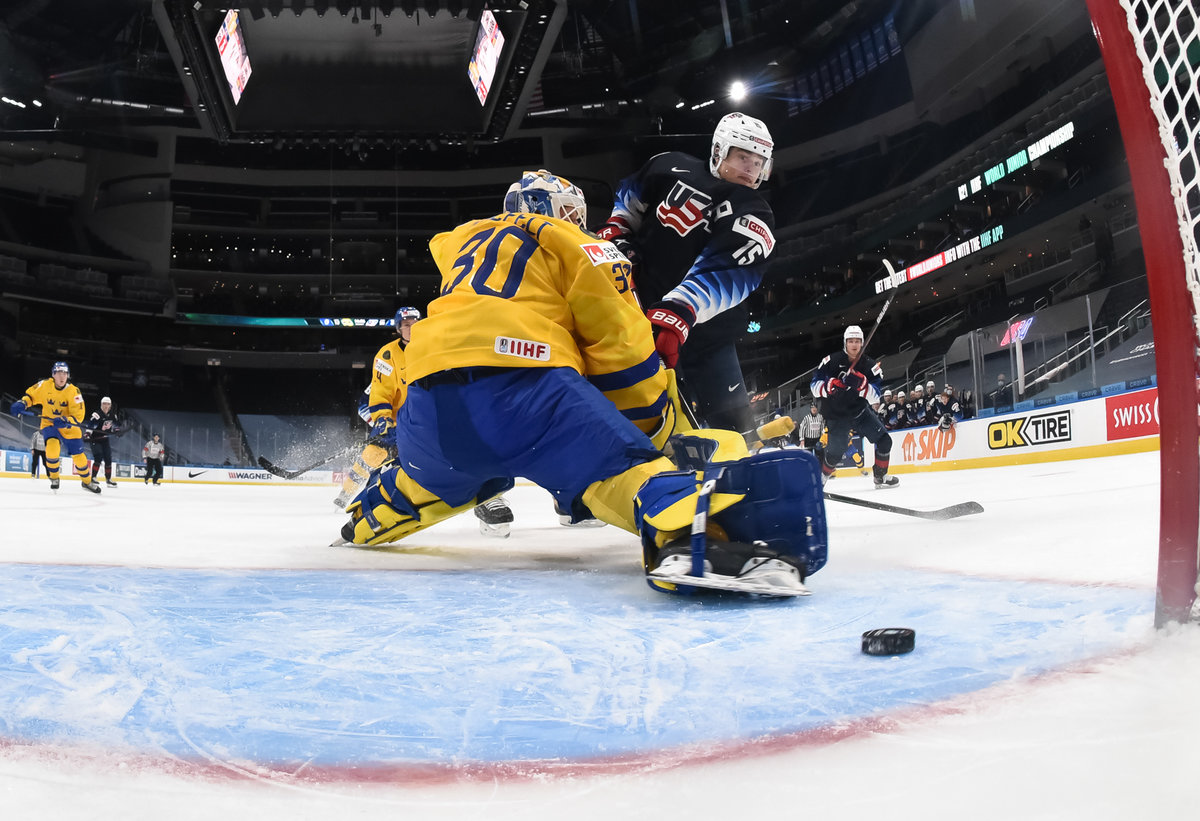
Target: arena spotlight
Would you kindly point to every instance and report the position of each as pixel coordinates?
(737, 91)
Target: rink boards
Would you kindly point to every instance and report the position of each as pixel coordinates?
(1102, 426)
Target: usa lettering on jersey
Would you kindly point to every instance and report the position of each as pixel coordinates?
(522, 348)
(761, 241)
(684, 209)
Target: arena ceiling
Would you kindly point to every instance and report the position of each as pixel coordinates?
(336, 70)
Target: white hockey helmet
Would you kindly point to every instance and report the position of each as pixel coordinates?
(887, 391)
(737, 130)
(852, 332)
(540, 192)
(106, 399)
(929, 386)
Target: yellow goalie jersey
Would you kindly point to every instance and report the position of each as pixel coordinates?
(58, 404)
(527, 291)
(388, 386)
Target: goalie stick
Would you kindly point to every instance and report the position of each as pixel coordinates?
(941, 514)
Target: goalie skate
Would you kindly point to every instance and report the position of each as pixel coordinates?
(760, 577)
(495, 518)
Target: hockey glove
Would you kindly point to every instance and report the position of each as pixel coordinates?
(616, 235)
(672, 323)
(610, 231)
(18, 408)
(383, 427)
(854, 381)
(835, 387)
(61, 422)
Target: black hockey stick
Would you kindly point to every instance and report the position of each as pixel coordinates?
(879, 318)
(284, 473)
(941, 514)
(771, 429)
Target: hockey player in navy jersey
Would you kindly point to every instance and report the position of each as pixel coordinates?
(101, 425)
(699, 237)
(848, 383)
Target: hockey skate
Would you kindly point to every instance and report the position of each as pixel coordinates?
(54, 484)
(91, 487)
(564, 519)
(110, 483)
(495, 518)
(886, 481)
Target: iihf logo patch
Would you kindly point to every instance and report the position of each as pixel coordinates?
(522, 348)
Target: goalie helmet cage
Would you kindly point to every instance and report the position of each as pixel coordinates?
(1151, 52)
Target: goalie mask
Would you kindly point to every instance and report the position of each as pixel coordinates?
(736, 130)
(540, 192)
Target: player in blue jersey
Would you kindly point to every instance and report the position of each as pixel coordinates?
(699, 236)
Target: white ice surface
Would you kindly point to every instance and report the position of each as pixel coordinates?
(1111, 737)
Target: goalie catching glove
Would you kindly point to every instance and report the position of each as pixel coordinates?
(672, 323)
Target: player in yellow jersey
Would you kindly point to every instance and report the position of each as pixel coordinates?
(59, 405)
(384, 395)
(537, 361)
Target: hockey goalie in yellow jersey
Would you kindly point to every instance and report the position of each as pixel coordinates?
(537, 361)
(59, 407)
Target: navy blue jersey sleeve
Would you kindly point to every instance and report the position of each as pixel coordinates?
(629, 205)
(820, 379)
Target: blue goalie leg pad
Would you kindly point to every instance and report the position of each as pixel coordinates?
(771, 502)
(784, 505)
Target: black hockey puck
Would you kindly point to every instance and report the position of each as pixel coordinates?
(889, 641)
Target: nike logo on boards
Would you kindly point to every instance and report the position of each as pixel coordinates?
(192, 475)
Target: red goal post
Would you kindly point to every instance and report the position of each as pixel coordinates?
(1151, 51)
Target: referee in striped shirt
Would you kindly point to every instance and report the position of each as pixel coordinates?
(811, 427)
